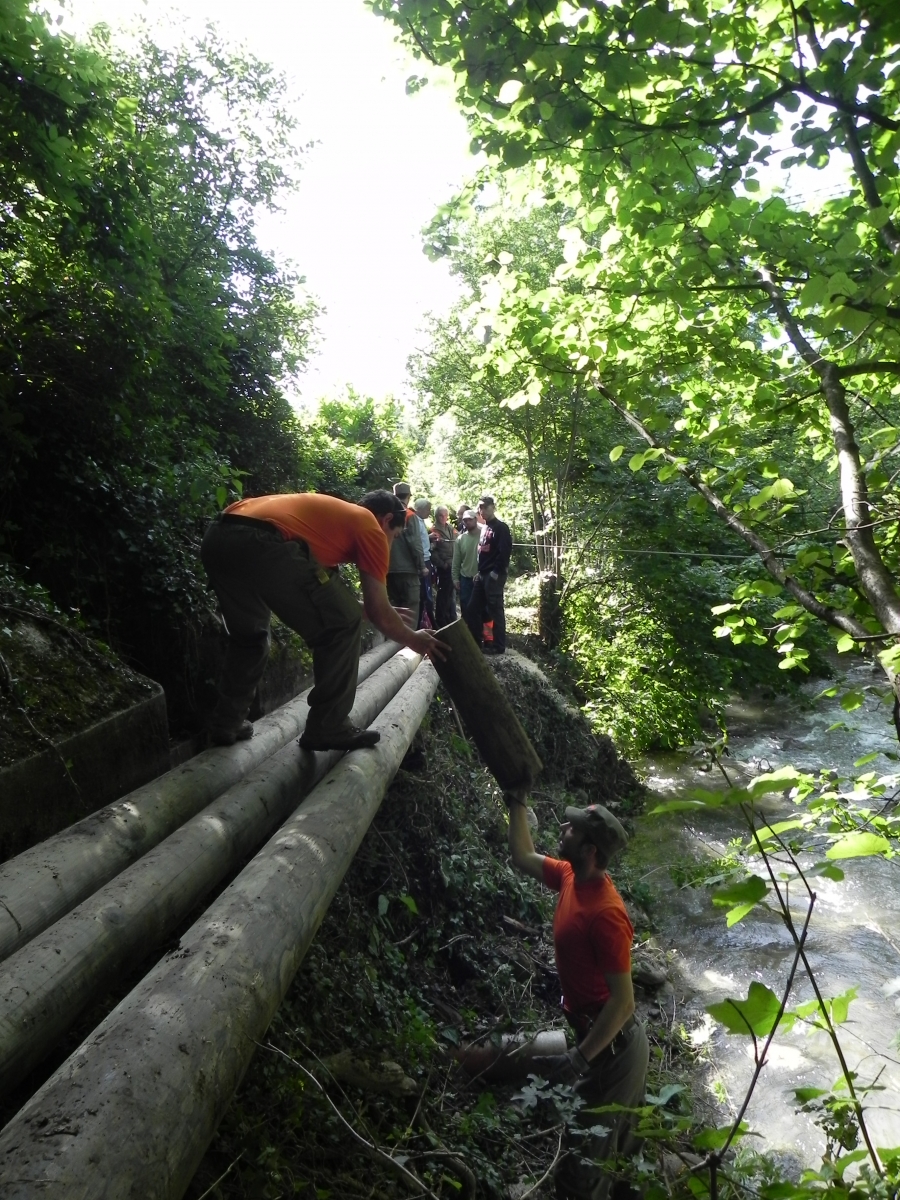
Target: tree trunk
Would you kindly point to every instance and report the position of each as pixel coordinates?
(44, 883)
(130, 1114)
(488, 714)
(549, 612)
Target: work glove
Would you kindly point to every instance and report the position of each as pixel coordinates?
(568, 1069)
(578, 1062)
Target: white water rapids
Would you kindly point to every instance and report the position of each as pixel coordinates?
(854, 937)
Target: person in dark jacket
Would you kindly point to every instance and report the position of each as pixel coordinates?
(486, 604)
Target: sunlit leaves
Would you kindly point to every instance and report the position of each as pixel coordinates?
(740, 898)
(860, 844)
(755, 1015)
(677, 232)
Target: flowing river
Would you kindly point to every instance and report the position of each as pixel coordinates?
(854, 938)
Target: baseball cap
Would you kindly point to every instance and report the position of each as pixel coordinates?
(402, 489)
(470, 512)
(599, 826)
(487, 500)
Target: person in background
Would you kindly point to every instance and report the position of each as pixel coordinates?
(465, 559)
(494, 552)
(592, 937)
(460, 514)
(407, 564)
(442, 536)
(422, 509)
(280, 554)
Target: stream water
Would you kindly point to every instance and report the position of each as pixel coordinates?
(855, 933)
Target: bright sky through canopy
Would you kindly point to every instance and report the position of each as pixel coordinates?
(383, 163)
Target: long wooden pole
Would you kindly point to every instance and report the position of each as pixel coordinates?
(45, 882)
(45, 985)
(486, 711)
(131, 1113)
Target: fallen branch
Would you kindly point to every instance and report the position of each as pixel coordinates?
(411, 1180)
(546, 1175)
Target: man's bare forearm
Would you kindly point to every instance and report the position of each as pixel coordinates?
(615, 1012)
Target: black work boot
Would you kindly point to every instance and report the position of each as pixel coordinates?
(224, 735)
(348, 737)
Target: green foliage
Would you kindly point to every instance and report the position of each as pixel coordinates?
(746, 334)
(647, 666)
(147, 340)
(643, 683)
(357, 445)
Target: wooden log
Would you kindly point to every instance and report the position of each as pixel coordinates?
(129, 1115)
(487, 713)
(44, 883)
(513, 1059)
(47, 983)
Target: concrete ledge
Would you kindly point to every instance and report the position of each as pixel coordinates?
(106, 761)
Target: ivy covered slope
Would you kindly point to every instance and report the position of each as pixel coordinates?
(431, 941)
(54, 680)
(729, 284)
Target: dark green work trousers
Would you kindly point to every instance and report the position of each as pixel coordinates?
(586, 1170)
(255, 573)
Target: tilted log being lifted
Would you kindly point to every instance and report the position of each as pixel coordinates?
(486, 711)
(45, 985)
(44, 883)
(131, 1113)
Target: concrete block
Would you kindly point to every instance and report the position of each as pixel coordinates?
(39, 797)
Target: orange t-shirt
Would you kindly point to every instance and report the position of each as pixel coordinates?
(335, 531)
(592, 936)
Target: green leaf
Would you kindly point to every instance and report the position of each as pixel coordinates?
(824, 868)
(748, 891)
(616, 453)
(859, 845)
(715, 1139)
(756, 1014)
(410, 904)
(845, 642)
(775, 781)
(740, 898)
(382, 905)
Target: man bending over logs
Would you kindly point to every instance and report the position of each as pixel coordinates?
(280, 554)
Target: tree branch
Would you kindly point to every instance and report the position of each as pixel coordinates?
(830, 616)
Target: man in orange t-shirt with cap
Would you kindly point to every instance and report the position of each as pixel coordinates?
(280, 554)
(592, 936)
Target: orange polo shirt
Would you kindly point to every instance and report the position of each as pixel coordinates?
(335, 531)
(592, 937)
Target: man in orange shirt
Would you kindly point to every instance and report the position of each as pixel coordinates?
(592, 937)
(280, 554)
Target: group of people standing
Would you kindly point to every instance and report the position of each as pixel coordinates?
(431, 567)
